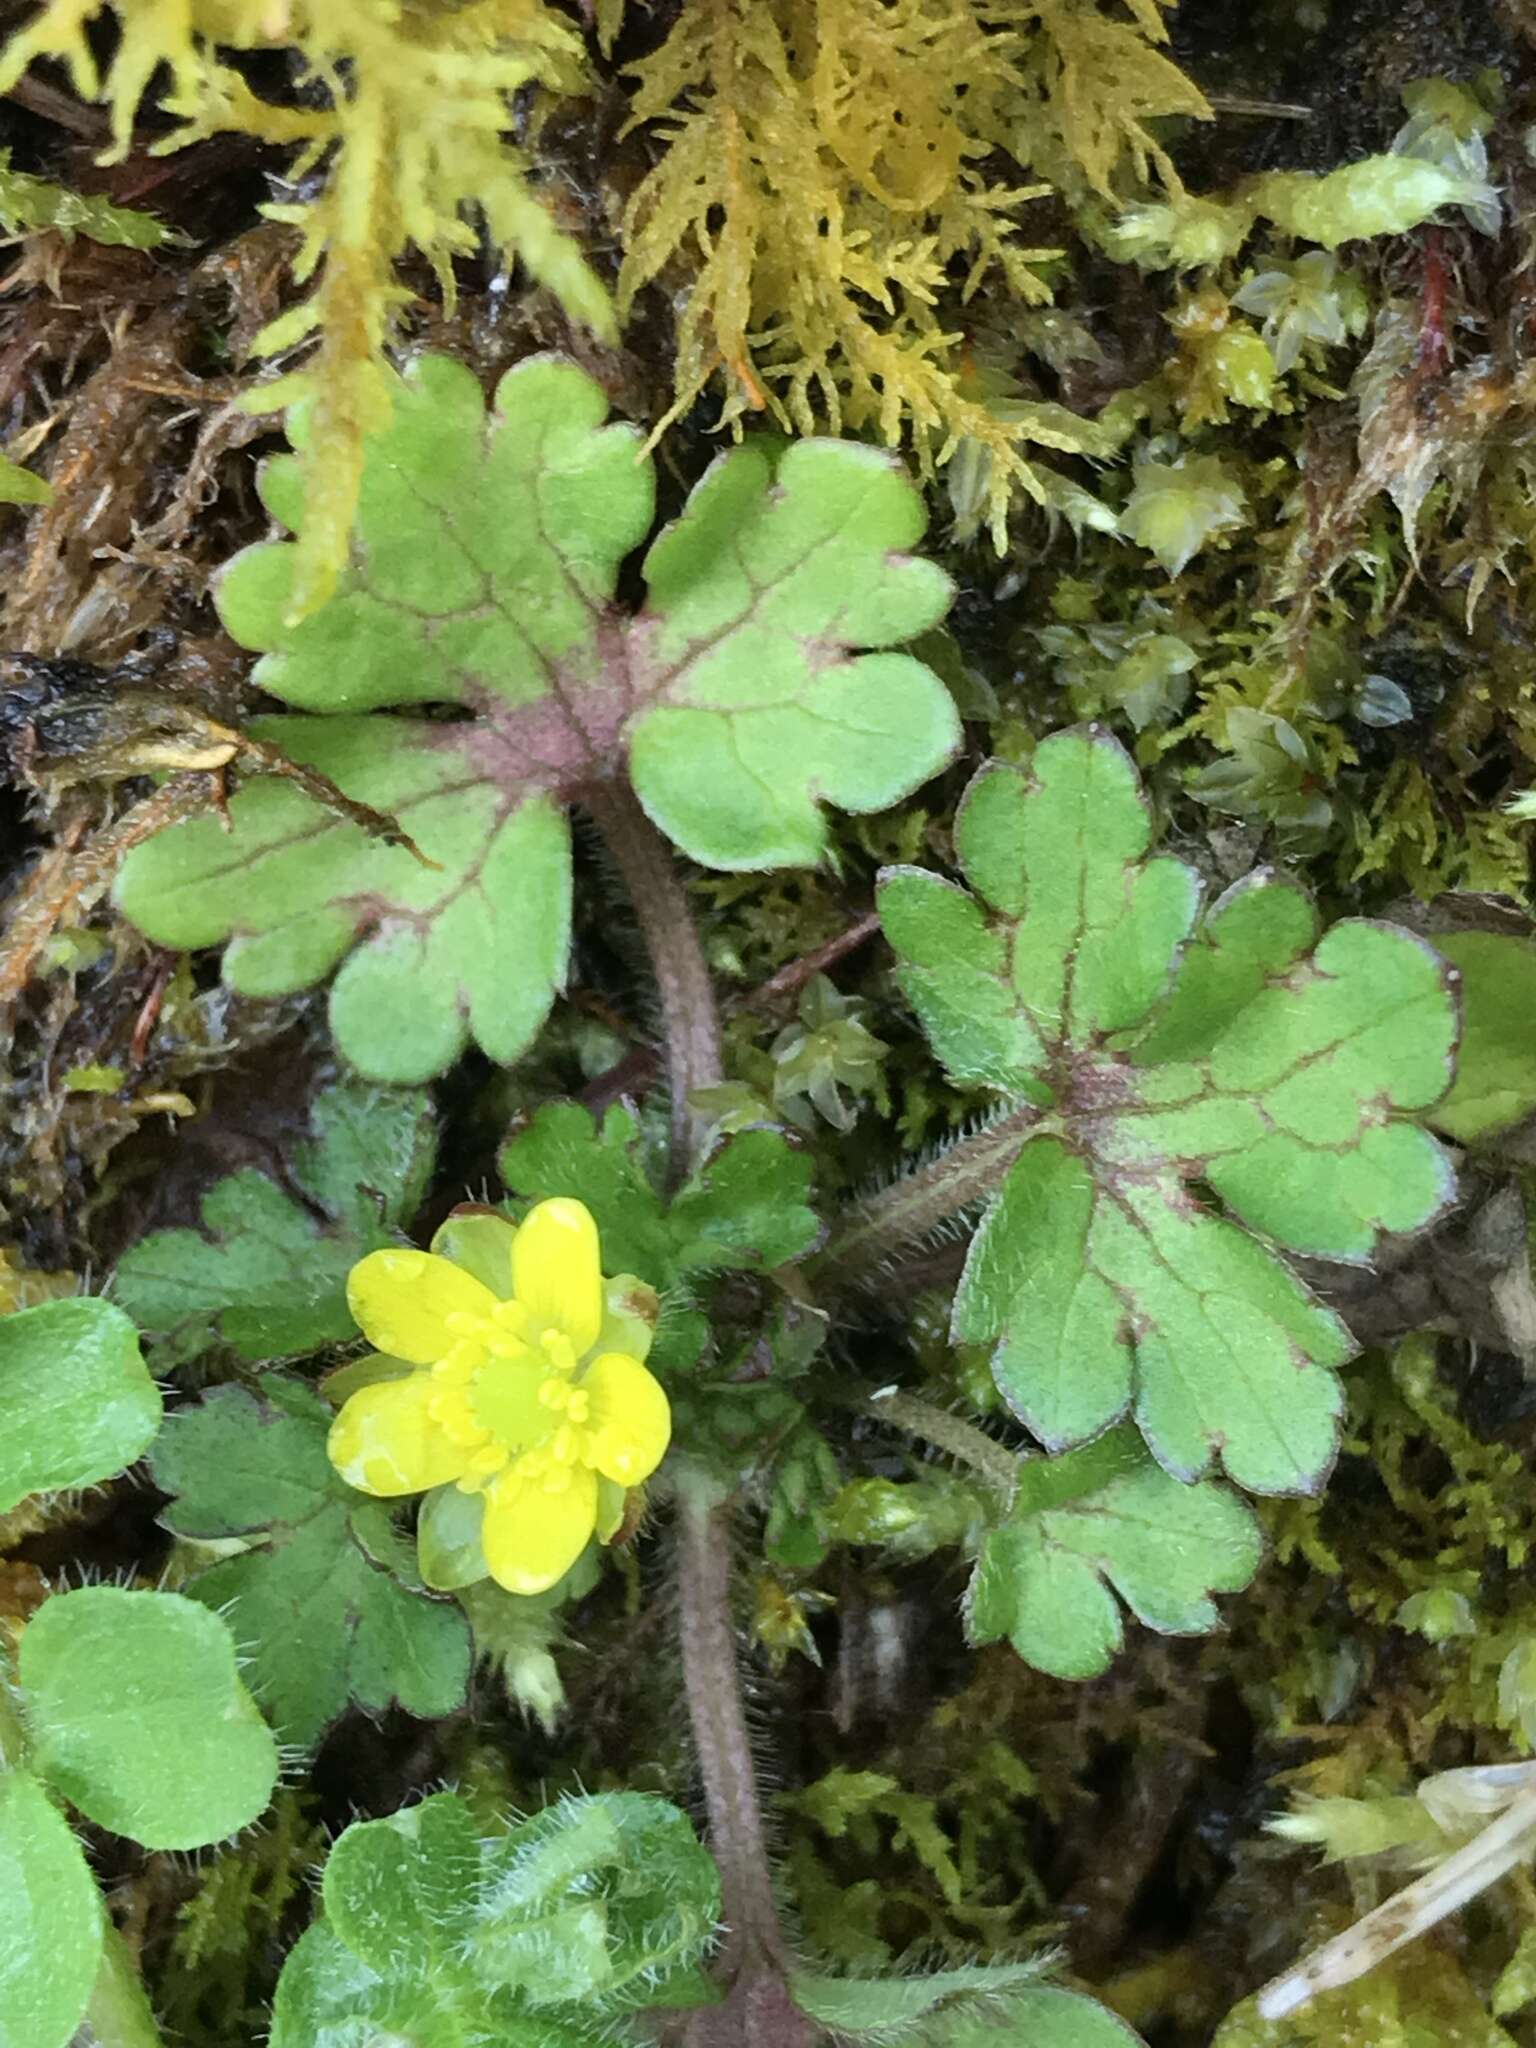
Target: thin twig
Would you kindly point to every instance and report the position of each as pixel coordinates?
(50, 104)
(792, 977)
(1506, 1841)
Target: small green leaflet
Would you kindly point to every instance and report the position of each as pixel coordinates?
(1496, 1075)
(980, 2007)
(20, 486)
(1159, 1052)
(77, 1403)
(746, 1208)
(267, 1275)
(136, 1714)
(535, 1938)
(1178, 508)
(31, 206)
(1103, 1516)
(321, 1624)
(483, 577)
(50, 1920)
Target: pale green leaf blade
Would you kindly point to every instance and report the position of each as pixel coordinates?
(1099, 928)
(758, 710)
(620, 1879)
(137, 1716)
(474, 946)
(484, 549)
(482, 576)
(1253, 934)
(1246, 1056)
(1365, 1034)
(954, 973)
(1064, 1356)
(1495, 1083)
(403, 1892)
(77, 1403)
(50, 1920)
(20, 486)
(327, 1997)
(1101, 1517)
(1234, 1358)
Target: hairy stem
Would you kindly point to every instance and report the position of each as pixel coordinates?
(690, 1019)
(910, 1208)
(993, 1461)
(119, 2014)
(713, 1681)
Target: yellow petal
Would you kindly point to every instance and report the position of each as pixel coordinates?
(384, 1442)
(401, 1301)
(557, 1271)
(629, 1422)
(532, 1537)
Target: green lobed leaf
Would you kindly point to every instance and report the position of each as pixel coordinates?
(329, 1998)
(403, 1893)
(593, 1907)
(77, 1403)
(137, 1716)
(618, 1884)
(483, 576)
(1495, 1083)
(50, 1920)
(1239, 1052)
(266, 1274)
(1100, 1517)
(321, 1624)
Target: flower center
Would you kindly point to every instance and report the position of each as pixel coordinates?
(503, 1391)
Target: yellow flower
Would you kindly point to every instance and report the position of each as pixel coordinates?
(528, 1386)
